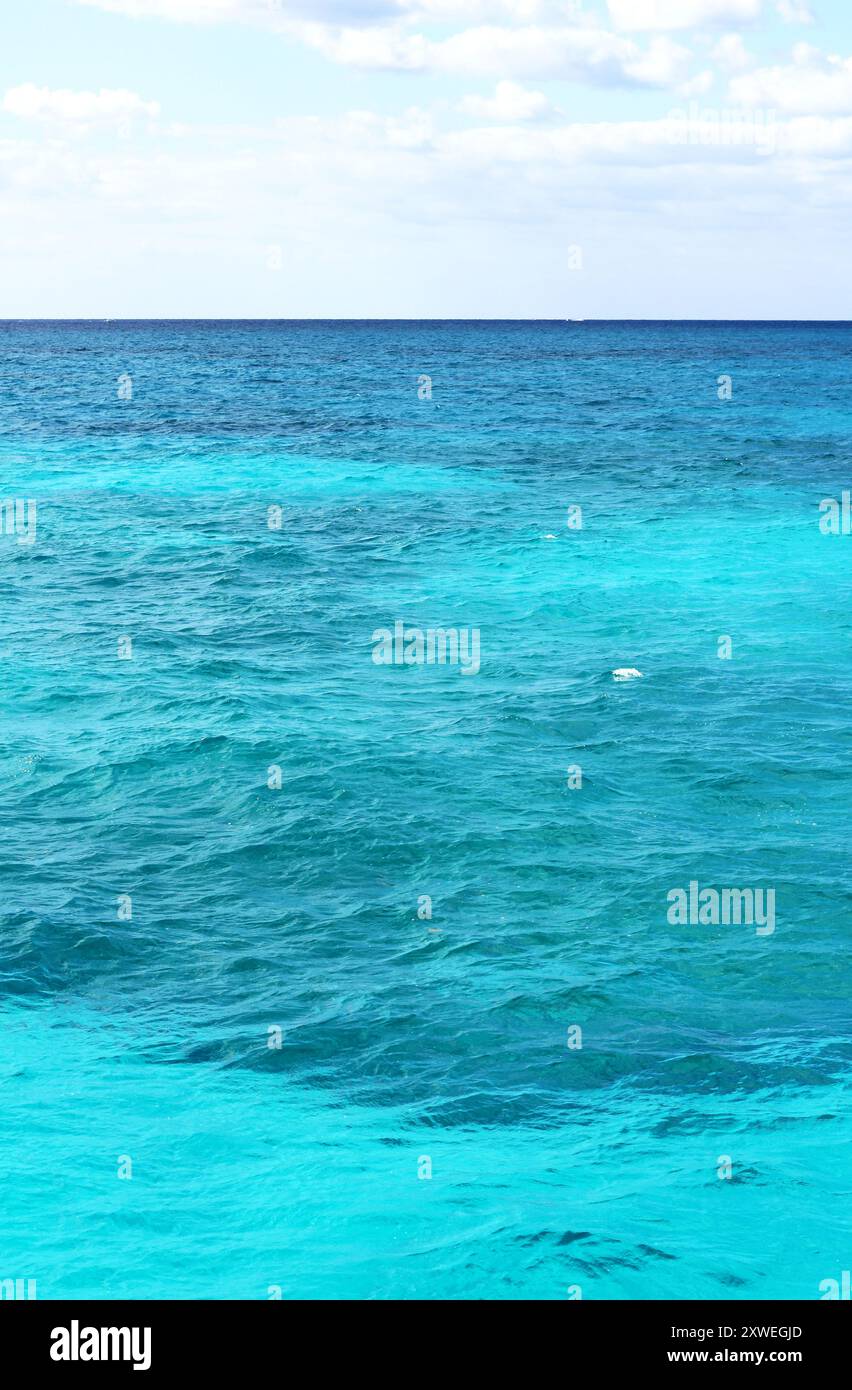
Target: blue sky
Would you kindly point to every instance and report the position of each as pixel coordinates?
(426, 158)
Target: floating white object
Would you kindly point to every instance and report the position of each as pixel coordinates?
(550, 538)
(626, 673)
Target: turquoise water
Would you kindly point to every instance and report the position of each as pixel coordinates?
(406, 1038)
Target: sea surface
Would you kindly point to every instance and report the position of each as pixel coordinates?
(545, 1089)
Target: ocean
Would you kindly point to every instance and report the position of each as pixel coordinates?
(331, 976)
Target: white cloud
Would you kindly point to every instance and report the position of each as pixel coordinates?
(697, 86)
(384, 216)
(813, 84)
(662, 63)
(542, 38)
(509, 104)
(580, 55)
(346, 13)
(379, 214)
(265, 12)
(106, 107)
(364, 160)
(480, 11)
(182, 11)
(357, 15)
(680, 14)
(731, 53)
(795, 12)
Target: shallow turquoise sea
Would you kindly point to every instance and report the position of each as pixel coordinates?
(141, 1045)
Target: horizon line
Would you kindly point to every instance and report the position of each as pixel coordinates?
(318, 318)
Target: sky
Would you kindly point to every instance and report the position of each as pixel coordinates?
(426, 159)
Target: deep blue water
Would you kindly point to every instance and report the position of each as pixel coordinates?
(405, 1038)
